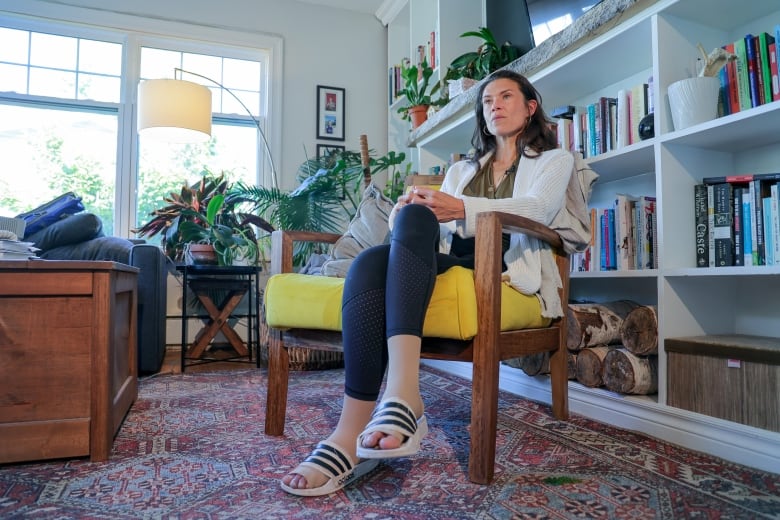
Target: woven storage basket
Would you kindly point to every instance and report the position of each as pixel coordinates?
(300, 358)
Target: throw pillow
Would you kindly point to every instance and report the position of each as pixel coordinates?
(69, 230)
(368, 228)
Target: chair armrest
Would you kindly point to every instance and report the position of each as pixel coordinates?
(487, 263)
(282, 247)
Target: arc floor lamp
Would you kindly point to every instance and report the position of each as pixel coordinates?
(180, 110)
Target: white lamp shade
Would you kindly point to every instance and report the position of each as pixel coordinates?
(174, 110)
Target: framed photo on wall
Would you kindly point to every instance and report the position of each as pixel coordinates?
(330, 113)
(323, 150)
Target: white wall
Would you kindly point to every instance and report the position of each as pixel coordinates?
(321, 46)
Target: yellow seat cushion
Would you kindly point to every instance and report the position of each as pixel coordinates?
(314, 302)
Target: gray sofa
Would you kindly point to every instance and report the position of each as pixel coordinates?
(80, 237)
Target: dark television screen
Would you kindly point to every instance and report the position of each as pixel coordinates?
(527, 23)
(549, 17)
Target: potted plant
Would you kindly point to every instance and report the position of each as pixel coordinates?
(417, 93)
(192, 204)
(233, 244)
(325, 200)
(474, 66)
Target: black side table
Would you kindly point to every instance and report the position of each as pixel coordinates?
(235, 282)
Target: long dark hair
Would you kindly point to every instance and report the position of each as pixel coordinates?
(537, 135)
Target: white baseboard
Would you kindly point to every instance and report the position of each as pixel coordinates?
(725, 439)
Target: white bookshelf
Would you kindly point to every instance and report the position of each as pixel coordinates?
(659, 39)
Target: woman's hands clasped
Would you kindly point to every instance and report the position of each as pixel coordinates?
(444, 206)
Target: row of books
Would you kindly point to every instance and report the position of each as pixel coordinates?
(738, 220)
(623, 236)
(425, 53)
(752, 79)
(609, 123)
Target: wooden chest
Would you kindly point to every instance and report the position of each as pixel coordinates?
(733, 377)
(68, 371)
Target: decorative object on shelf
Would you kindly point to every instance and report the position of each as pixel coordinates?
(330, 113)
(647, 126)
(488, 57)
(180, 110)
(695, 100)
(417, 93)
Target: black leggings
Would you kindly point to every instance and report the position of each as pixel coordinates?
(386, 293)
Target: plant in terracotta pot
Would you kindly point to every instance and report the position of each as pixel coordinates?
(191, 205)
(418, 92)
(233, 243)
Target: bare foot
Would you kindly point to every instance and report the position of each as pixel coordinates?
(305, 477)
(391, 441)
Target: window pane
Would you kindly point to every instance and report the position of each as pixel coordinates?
(241, 74)
(13, 78)
(14, 45)
(54, 83)
(100, 57)
(48, 50)
(164, 167)
(49, 152)
(99, 88)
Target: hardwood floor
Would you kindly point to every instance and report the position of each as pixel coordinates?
(172, 363)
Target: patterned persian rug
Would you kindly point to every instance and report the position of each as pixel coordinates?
(193, 447)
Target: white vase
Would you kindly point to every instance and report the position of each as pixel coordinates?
(694, 101)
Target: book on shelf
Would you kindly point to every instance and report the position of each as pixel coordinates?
(769, 248)
(761, 188)
(774, 72)
(710, 225)
(723, 232)
(764, 40)
(623, 128)
(751, 49)
(701, 225)
(775, 220)
(624, 231)
(647, 233)
(637, 110)
(747, 228)
(730, 70)
(743, 82)
(739, 259)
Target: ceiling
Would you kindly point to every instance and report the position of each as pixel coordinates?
(360, 6)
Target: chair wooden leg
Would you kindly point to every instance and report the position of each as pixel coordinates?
(278, 378)
(484, 418)
(559, 379)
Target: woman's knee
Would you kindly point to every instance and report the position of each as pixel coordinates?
(415, 220)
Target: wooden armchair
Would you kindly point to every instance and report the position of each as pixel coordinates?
(484, 351)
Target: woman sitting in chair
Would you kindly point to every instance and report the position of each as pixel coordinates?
(518, 169)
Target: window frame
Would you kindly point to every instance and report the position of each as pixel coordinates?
(133, 32)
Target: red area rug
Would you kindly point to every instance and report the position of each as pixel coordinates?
(193, 446)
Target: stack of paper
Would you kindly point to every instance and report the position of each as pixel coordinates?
(16, 250)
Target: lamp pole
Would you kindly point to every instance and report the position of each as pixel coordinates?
(181, 72)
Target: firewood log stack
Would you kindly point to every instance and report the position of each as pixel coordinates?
(611, 344)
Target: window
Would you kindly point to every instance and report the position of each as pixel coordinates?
(66, 109)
